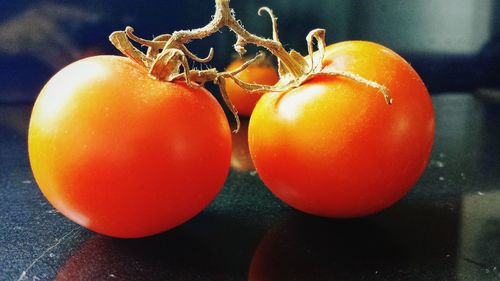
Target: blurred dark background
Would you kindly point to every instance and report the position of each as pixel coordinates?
(453, 44)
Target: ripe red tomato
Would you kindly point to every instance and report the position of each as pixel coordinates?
(243, 100)
(123, 154)
(333, 147)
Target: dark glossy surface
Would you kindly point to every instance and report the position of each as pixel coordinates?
(447, 228)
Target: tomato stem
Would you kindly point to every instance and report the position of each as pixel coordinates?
(167, 54)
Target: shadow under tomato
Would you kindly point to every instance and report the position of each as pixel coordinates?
(101, 258)
(210, 247)
(416, 242)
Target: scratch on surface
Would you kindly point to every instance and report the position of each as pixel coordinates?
(475, 262)
(25, 272)
(487, 268)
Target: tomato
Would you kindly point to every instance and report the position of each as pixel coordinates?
(243, 100)
(124, 154)
(333, 147)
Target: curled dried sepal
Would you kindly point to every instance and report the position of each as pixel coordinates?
(382, 89)
(167, 65)
(318, 35)
(162, 63)
(192, 56)
(120, 40)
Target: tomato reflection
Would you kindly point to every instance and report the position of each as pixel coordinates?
(157, 258)
(309, 248)
(417, 241)
(240, 156)
(209, 247)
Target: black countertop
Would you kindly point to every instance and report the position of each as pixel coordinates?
(446, 228)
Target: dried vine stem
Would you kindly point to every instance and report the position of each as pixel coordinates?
(167, 54)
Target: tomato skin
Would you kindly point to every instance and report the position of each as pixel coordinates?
(243, 100)
(123, 154)
(332, 147)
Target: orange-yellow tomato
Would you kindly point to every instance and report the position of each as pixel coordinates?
(333, 147)
(240, 156)
(123, 154)
(243, 100)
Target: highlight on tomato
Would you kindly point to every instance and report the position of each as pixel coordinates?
(124, 154)
(332, 147)
(258, 73)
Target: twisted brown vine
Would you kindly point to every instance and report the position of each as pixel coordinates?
(167, 56)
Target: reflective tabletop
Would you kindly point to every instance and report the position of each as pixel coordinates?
(446, 228)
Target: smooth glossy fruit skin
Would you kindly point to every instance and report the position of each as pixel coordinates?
(332, 147)
(243, 100)
(123, 154)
